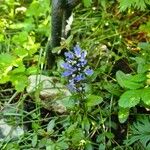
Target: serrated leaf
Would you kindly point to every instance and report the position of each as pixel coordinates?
(128, 81)
(93, 100)
(129, 98)
(140, 132)
(123, 114)
(145, 96)
(136, 4)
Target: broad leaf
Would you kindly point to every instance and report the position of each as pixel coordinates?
(129, 99)
(93, 100)
(129, 81)
(20, 81)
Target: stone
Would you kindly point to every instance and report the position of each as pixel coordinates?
(9, 131)
(51, 91)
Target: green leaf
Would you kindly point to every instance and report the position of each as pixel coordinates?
(87, 3)
(109, 135)
(88, 146)
(77, 136)
(93, 100)
(123, 114)
(130, 98)
(20, 69)
(32, 70)
(6, 59)
(141, 77)
(145, 96)
(142, 66)
(20, 81)
(34, 140)
(145, 45)
(86, 123)
(112, 88)
(20, 38)
(139, 132)
(20, 52)
(138, 4)
(129, 81)
(51, 125)
(67, 101)
(62, 145)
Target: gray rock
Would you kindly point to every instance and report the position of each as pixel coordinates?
(51, 92)
(9, 132)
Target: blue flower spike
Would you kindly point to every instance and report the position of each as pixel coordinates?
(76, 69)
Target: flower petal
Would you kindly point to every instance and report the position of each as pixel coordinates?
(77, 51)
(88, 72)
(67, 73)
(66, 66)
(69, 55)
(79, 78)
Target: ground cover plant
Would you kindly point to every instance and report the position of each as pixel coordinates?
(97, 94)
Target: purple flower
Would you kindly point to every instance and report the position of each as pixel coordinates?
(66, 66)
(76, 69)
(69, 55)
(71, 86)
(77, 51)
(67, 73)
(88, 72)
(79, 77)
(83, 55)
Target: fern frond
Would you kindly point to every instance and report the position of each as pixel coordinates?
(136, 4)
(140, 133)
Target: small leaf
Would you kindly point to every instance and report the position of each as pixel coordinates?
(87, 3)
(50, 126)
(34, 140)
(145, 96)
(86, 124)
(109, 135)
(129, 99)
(123, 114)
(93, 100)
(89, 146)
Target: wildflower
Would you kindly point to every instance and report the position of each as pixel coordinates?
(76, 69)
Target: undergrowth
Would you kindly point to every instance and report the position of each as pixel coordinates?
(109, 113)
